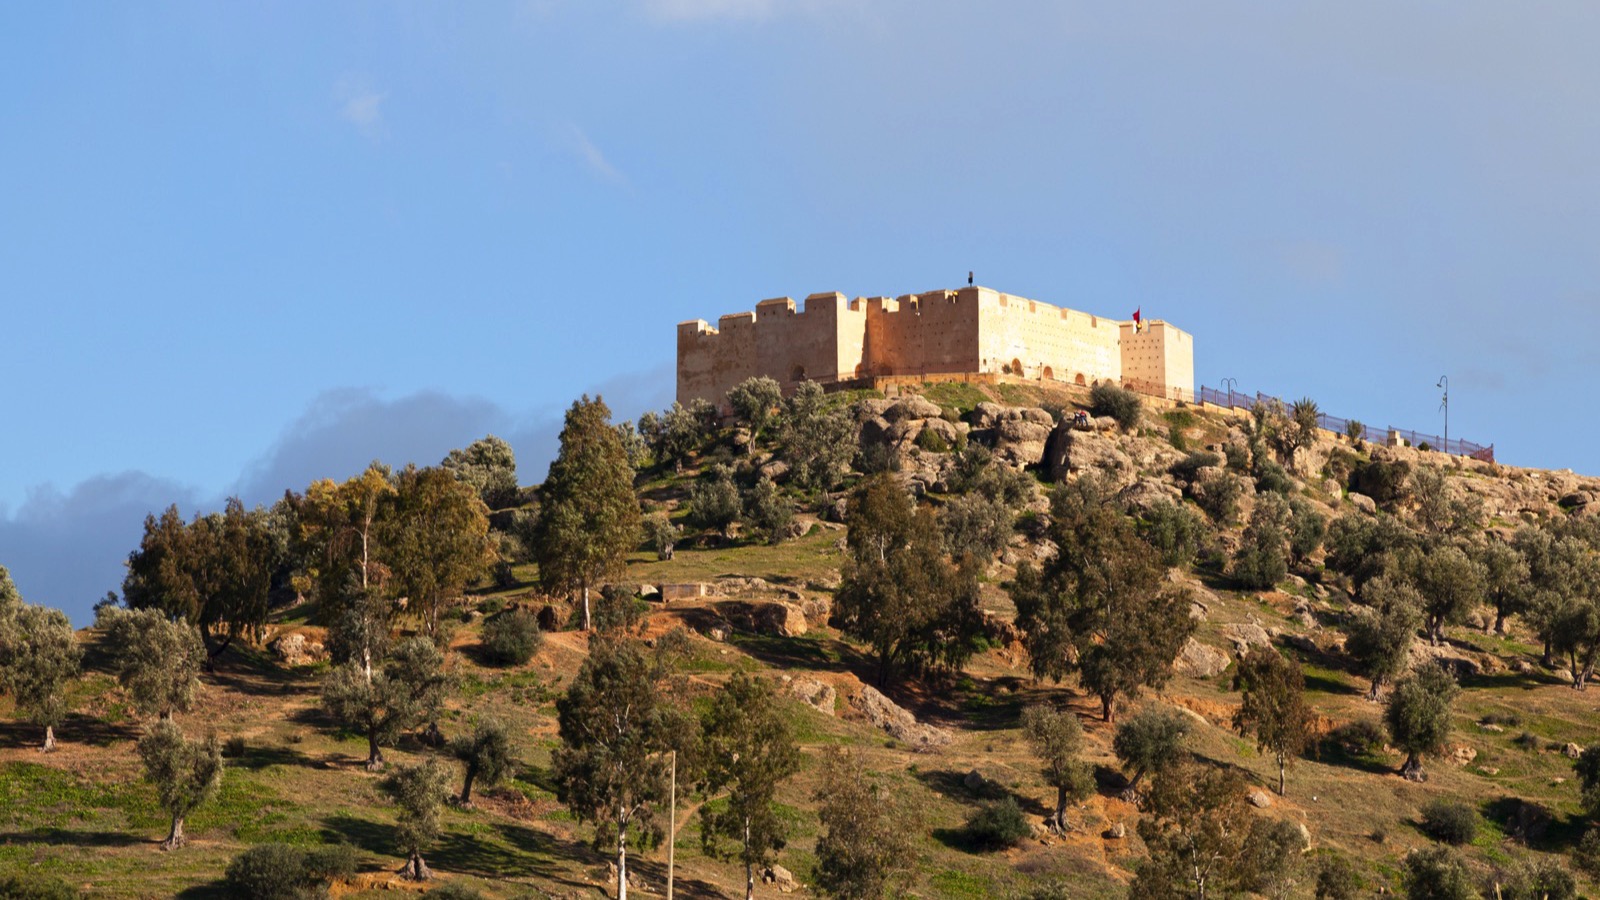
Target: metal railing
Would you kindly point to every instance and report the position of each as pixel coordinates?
(1234, 399)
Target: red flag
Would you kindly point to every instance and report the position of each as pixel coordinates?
(1136, 319)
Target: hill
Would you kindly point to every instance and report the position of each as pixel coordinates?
(83, 815)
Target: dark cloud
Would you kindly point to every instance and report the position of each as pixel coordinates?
(67, 549)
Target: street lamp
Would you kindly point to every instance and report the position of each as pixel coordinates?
(1444, 404)
(1229, 383)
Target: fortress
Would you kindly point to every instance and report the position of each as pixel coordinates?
(973, 334)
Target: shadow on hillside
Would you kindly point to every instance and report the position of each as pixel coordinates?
(655, 874)
(77, 728)
(256, 758)
(1508, 679)
(257, 678)
(373, 837)
(818, 654)
(67, 837)
(953, 785)
(216, 890)
(1326, 685)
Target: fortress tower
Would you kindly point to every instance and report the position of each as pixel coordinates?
(972, 332)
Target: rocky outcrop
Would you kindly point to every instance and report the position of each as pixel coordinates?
(295, 650)
(897, 722)
(820, 697)
(1069, 451)
(1199, 660)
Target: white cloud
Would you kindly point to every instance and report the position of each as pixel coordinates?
(580, 145)
(361, 106)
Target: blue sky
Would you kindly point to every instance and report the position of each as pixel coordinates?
(246, 245)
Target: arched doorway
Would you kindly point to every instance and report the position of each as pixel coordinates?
(1049, 374)
(1078, 380)
(798, 374)
(1016, 367)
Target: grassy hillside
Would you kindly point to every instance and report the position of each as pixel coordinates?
(82, 814)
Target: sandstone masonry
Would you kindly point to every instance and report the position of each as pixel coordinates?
(974, 331)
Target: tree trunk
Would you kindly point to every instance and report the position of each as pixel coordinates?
(1499, 621)
(1411, 770)
(374, 754)
(1281, 767)
(466, 787)
(415, 869)
(586, 606)
(1372, 693)
(175, 838)
(749, 867)
(49, 739)
(1108, 710)
(1059, 823)
(622, 852)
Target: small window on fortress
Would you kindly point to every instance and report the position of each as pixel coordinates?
(799, 374)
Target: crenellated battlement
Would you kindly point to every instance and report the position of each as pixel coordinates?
(831, 339)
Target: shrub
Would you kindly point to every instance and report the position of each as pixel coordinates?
(1536, 879)
(1586, 856)
(1176, 531)
(1424, 446)
(768, 511)
(1354, 430)
(618, 609)
(996, 826)
(1107, 399)
(1438, 873)
(282, 872)
(1185, 469)
(1271, 478)
(1237, 456)
(1150, 740)
(714, 503)
(1386, 482)
(1336, 879)
(234, 747)
(1450, 822)
(35, 887)
(1219, 498)
(1352, 739)
(932, 441)
(511, 638)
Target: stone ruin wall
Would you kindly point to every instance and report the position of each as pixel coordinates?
(822, 343)
(973, 330)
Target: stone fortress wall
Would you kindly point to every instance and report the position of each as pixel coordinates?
(971, 331)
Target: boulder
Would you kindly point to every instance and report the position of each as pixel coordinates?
(295, 650)
(1364, 503)
(913, 407)
(1199, 660)
(1259, 799)
(1462, 755)
(1116, 832)
(1020, 442)
(897, 722)
(1069, 452)
(780, 878)
(1246, 635)
(1147, 493)
(781, 620)
(820, 697)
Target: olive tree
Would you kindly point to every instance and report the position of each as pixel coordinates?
(1152, 740)
(185, 773)
(1057, 741)
(1418, 716)
(485, 756)
(39, 655)
(420, 791)
(817, 439)
(1379, 639)
(156, 659)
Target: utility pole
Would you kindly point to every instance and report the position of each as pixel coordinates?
(1444, 382)
(672, 821)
